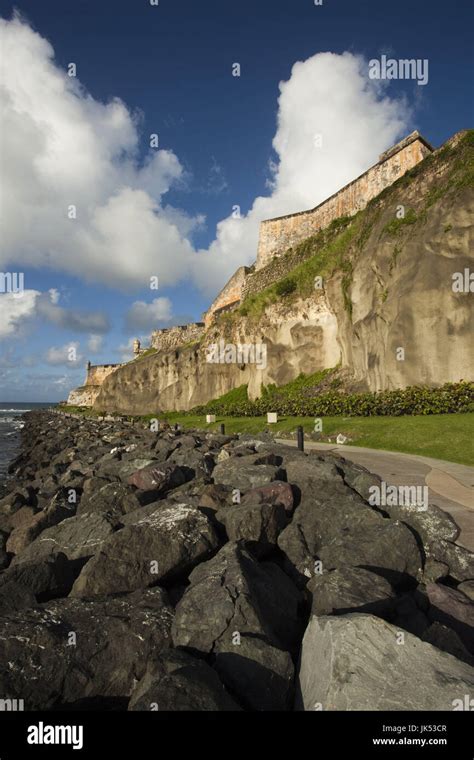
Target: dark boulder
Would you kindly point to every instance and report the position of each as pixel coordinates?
(350, 589)
(245, 615)
(70, 650)
(161, 545)
(260, 523)
(176, 681)
(155, 480)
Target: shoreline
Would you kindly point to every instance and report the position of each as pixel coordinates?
(131, 539)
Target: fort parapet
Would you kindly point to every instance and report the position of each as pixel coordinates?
(279, 234)
(173, 337)
(87, 393)
(229, 296)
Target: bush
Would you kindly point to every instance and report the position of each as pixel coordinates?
(299, 399)
(285, 287)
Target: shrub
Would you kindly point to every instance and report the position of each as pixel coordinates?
(285, 287)
(299, 399)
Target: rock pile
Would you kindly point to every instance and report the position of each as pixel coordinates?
(197, 571)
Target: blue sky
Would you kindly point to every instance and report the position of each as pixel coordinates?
(223, 141)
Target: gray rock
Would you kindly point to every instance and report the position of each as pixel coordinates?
(328, 510)
(56, 510)
(242, 611)
(155, 480)
(353, 662)
(310, 472)
(113, 498)
(215, 496)
(459, 560)
(194, 463)
(388, 549)
(14, 596)
(357, 477)
(260, 674)
(45, 578)
(4, 559)
(350, 589)
(444, 638)
(467, 588)
(73, 650)
(238, 473)
(232, 592)
(78, 537)
(452, 608)
(162, 545)
(175, 681)
(278, 493)
(259, 522)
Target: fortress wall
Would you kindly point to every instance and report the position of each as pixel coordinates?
(277, 235)
(173, 337)
(97, 373)
(230, 294)
(87, 393)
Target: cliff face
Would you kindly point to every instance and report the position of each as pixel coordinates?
(408, 326)
(300, 339)
(388, 312)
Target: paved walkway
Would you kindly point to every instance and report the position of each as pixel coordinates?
(451, 486)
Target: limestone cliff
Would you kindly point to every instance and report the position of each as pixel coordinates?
(389, 311)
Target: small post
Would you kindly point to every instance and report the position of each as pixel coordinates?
(300, 437)
(222, 428)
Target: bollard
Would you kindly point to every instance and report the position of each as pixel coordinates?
(222, 429)
(300, 437)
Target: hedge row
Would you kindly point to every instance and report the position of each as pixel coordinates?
(450, 398)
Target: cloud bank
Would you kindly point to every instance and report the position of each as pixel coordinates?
(62, 149)
(19, 311)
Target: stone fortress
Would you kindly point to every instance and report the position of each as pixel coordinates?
(279, 234)
(276, 237)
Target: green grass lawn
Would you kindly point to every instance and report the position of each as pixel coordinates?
(442, 436)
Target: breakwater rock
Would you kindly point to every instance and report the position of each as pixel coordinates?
(198, 571)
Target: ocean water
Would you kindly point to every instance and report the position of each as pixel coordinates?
(11, 424)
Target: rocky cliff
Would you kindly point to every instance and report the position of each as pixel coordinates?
(395, 306)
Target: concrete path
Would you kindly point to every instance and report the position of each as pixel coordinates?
(451, 486)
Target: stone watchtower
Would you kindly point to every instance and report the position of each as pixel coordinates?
(136, 347)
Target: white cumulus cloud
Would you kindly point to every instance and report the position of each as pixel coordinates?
(66, 356)
(15, 309)
(94, 344)
(144, 316)
(63, 148)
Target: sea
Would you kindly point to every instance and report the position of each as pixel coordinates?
(11, 424)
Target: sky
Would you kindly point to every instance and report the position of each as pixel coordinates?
(141, 145)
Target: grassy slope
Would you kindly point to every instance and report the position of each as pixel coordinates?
(442, 436)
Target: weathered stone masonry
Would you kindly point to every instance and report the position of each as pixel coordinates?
(174, 337)
(87, 394)
(96, 373)
(229, 296)
(277, 235)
